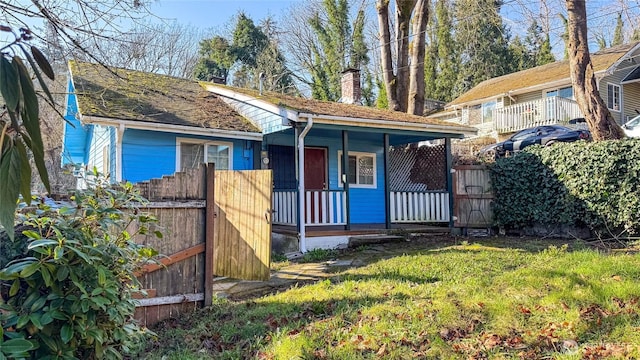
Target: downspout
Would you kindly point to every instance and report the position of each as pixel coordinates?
(119, 136)
(301, 189)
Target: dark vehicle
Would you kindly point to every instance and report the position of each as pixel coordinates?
(542, 135)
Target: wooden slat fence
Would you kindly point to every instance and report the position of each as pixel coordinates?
(212, 222)
(472, 195)
(419, 206)
(178, 202)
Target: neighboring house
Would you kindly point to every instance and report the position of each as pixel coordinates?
(544, 95)
(329, 160)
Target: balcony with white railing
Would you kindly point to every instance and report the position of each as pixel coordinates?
(545, 111)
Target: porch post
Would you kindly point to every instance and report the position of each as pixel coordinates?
(387, 188)
(345, 177)
(449, 176)
(296, 130)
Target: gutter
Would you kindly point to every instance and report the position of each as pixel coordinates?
(301, 189)
(179, 129)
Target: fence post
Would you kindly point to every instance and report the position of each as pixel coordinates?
(210, 217)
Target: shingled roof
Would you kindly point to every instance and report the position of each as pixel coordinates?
(335, 109)
(122, 94)
(540, 75)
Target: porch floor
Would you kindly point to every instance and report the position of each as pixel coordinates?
(361, 229)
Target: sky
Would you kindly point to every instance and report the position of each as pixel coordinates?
(213, 14)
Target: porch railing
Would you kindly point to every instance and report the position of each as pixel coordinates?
(322, 207)
(414, 207)
(546, 111)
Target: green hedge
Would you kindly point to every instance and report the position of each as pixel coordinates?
(593, 184)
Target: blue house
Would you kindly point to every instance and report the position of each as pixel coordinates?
(329, 160)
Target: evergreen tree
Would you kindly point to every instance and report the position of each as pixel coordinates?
(448, 59)
(216, 59)
(618, 38)
(483, 41)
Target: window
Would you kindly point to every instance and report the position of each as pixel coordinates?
(565, 92)
(362, 169)
(487, 111)
(613, 97)
(192, 152)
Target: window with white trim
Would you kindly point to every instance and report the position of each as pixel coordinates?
(362, 169)
(190, 153)
(613, 97)
(487, 111)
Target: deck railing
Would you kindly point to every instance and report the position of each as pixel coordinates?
(322, 207)
(419, 207)
(546, 111)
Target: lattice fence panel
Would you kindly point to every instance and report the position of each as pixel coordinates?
(422, 168)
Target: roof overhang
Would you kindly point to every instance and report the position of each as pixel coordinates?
(626, 56)
(445, 130)
(259, 103)
(170, 128)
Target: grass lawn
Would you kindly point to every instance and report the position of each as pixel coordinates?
(498, 299)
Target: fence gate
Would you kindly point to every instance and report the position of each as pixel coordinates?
(242, 225)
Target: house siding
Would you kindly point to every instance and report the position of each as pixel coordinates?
(367, 205)
(268, 122)
(99, 152)
(148, 154)
(631, 100)
(75, 134)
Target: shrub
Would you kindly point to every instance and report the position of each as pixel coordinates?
(67, 294)
(592, 184)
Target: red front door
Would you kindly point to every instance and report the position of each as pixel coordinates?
(315, 169)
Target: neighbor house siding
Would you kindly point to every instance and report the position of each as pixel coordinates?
(631, 101)
(268, 122)
(614, 79)
(74, 141)
(148, 154)
(530, 96)
(367, 205)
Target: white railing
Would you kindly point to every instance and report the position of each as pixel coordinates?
(414, 207)
(546, 111)
(322, 207)
(285, 207)
(325, 207)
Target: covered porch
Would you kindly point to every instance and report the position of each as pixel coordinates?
(334, 180)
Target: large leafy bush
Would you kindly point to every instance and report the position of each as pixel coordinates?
(66, 290)
(586, 184)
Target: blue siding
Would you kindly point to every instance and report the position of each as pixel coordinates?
(150, 154)
(74, 141)
(367, 205)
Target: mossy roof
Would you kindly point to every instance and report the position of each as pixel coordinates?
(329, 108)
(116, 93)
(540, 75)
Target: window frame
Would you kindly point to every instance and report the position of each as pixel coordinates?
(205, 143)
(619, 102)
(357, 185)
(488, 106)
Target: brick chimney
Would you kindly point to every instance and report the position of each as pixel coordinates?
(351, 87)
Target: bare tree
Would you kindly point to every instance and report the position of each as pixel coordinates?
(601, 123)
(399, 82)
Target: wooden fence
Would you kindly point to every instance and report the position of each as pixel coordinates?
(472, 196)
(212, 223)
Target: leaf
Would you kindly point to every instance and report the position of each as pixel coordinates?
(30, 269)
(43, 85)
(16, 346)
(43, 63)
(10, 180)
(15, 287)
(9, 84)
(42, 242)
(31, 121)
(66, 333)
(25, 172)
(32, 235)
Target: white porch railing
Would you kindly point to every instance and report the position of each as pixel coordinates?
(413, 207)
(322, 207)
(285, 207)
(546, 111)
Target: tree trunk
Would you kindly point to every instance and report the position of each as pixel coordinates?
(416, 76)
(385, 54)
(403, 22)
(601, 123)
